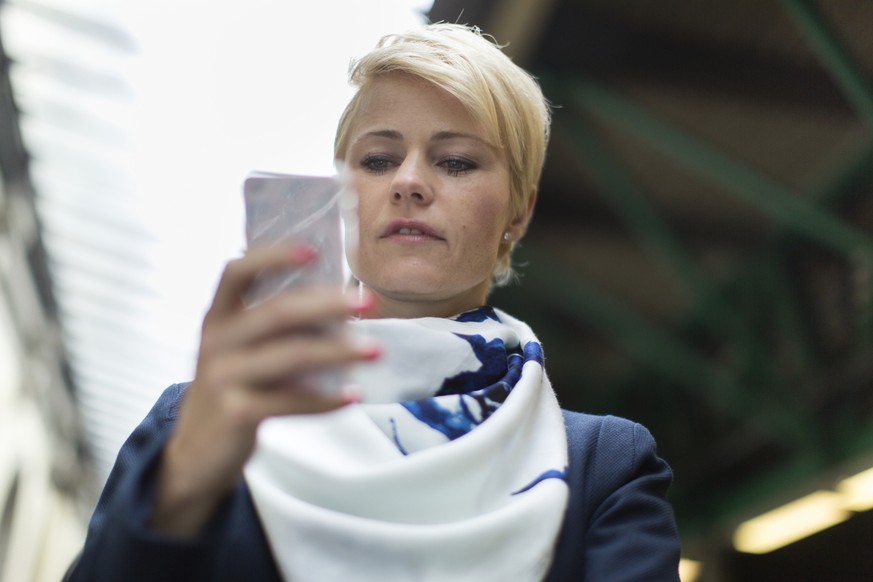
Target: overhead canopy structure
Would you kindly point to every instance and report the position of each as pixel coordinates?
(701, 257)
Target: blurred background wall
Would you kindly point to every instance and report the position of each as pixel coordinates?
(126, 131)
(44, 472)
(700, 260)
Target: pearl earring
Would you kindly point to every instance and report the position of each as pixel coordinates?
(507, 236)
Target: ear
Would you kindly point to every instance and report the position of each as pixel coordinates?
(519, 225)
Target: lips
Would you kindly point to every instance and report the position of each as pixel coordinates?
(412, 229)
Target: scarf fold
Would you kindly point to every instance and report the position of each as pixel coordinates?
(453, 468)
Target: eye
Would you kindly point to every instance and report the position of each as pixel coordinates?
(457, 166)
(376, 164)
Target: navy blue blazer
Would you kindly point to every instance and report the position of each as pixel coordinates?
(618, 525)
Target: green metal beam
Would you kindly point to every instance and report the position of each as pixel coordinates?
(854, 173)
(625, 197)
(845, 70)
(787, 312)
(745, 182)
(661, 351)
(652, 346)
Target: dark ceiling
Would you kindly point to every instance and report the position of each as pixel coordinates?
(701, 259)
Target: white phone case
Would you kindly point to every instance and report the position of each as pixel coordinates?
(284, 209)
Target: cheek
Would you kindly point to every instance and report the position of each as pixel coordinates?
(361, 202)
(366, 195)
(488, 218)
(359, 233)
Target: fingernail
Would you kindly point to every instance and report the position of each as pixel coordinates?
(368, 347)
(372, 352)
(303, 254)
(362, 300)
(351, 394)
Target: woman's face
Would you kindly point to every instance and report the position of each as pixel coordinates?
(433, 200)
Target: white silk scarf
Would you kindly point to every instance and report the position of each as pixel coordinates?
(453, 468)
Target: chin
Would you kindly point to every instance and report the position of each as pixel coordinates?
(419, 281)
(406, 276)
(410, 286)
(433, 289)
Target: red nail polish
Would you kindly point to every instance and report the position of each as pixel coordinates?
(373, 352)
(351, 395)
(361, 301)
(303, 254)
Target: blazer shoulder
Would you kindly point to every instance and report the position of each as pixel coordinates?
(609, 449)
(603, 430)
(619, 524)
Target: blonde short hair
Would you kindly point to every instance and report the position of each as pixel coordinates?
(470, 66)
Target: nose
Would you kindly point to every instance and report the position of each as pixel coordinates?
(411, 181)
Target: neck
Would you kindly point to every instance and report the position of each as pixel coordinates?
(404, 308)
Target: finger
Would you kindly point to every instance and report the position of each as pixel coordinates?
(284, 359)
(280, 360)
(239, 274)
(284, 402)
(300, 310)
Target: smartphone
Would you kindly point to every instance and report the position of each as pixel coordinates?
(286, 209)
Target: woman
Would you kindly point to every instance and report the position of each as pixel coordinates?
(452, 460)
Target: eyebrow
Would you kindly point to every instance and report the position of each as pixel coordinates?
(438, 136)
(444, 135)
(388, 133)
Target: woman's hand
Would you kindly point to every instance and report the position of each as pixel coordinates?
(252, 365)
